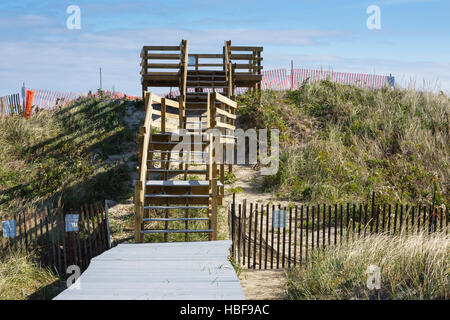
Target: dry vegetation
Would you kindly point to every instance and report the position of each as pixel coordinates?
(21, 278)
(412, 267)
(67, 155)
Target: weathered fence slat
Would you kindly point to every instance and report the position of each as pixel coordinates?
(261, 236)
(310, 233)
(256, 236)
(239, 233)
(267, 236)
(244, 220)
(284, 239)
(44, 234)
(295, 235)
(250, 235)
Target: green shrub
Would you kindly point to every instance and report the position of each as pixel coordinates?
(64, 154)
(340, 143)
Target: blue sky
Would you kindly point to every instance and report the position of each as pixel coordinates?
(37, 48)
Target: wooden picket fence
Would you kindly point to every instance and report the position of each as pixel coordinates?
(275, 237)
(10, 105)
(45, 235)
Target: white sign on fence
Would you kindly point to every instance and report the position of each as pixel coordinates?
(9, 228)
(72, 222)
(279, 219)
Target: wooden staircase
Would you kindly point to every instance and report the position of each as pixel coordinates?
(181, 160)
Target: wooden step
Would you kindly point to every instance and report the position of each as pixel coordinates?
(163, 56)
(176, 196)
(202, 75)
(188, 103)
(176, 231)
(179, 183)
(195, 119)
(196, 94)
(178, 161)
(201, 106)
(170, 145)
(204, 87)
(177, 142)
(197, 97)
(176, 152)
(174, 219)
(179, 187)
(205, 82)
(167, 137)
(179, 199)
(175, 207)
(205, 72)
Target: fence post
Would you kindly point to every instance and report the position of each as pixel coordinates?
(233, 218)
(372, 212)
(292, 74)
(107, 223)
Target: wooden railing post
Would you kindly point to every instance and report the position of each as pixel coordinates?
(258, 72)
(212, 110)
(184, 60)
(230, 81)
(181, 112)
(163, 115)
(213, 187)
(144, 70)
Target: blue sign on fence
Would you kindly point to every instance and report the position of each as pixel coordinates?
(9, 228)
(279, 219)
(192, 61)
(72, 222)
(391, 80)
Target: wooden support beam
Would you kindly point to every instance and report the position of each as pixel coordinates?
(163, 115)
(161, 48)
(163, 56)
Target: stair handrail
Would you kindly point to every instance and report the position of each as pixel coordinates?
(144, 140)
(212, 172)
(226, 111)
(144, 137)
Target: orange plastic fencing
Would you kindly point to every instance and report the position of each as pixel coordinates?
(30, 95)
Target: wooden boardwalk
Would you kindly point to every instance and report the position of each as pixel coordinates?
(160, 271)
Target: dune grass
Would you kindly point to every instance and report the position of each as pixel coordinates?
(412, 267)
(341, 143)
(65, 155)
(21, 278)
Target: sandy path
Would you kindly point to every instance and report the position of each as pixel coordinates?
(263, 284)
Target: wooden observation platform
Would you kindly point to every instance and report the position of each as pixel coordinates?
(181, 158)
